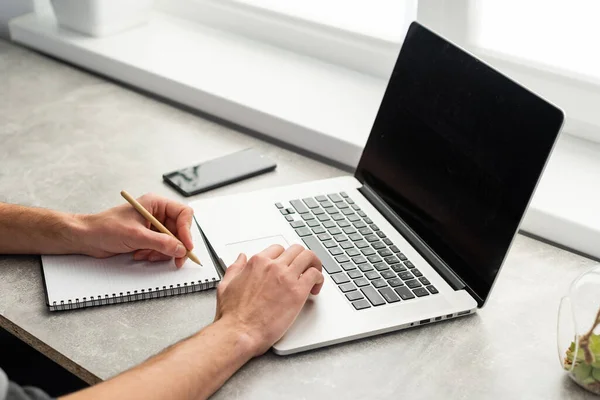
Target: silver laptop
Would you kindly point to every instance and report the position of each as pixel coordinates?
(419, 233)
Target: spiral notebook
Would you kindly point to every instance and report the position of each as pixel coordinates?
(74, 281)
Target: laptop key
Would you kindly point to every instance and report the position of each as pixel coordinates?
(365, 231)
(362, 213)
(349, 200)
(361, 282)
(385, 252)
(307, 217)
(372, 226)
(343, 223)
(359, 260)
(367, 251)
(347, 211)
(404, 293)
(328, 263)
(388, 274)
(361, 244)
(420, 292)
(349, 230)
(378, 245)
(374, 259)
(365, 267)
(405, 275)
(395, 282)
(310, 202)
(327, 204)
(297, 224)
(335, 231)
(347, 287)
(389, 295)
(381, 267)
(289, 218)
(418, 274)
(329, 244)
(422, 279)
(332, 210)
(391, 260)
(284, 211)
(395, 249)
(340, 238)
(340, 278)
(323, 237)
(387, 241)
(346, 245)
(355, 237)
(371, 238)
(354, 274)
(348, 266)
(299, 206)
(337, 217)
(318, 211)
(356, 207)
(318, 230)
(342, 258)
(409, 265)
(371, 275)
(328, 224)
(303, 232)
(402, 257)
(341, 206)
(321, 198)
(290, 211)
(372, 295)
(381, 234)
(413, 283)
(336, 198)
(359, 225)
(354, 295)
(279, 205)
(432, 289)
(312, 223)
(353, 217)
(379, 283)
(361, 304)
(323, 218)
(344, 194)
(352, 252)
(399, 268)
(335, 251)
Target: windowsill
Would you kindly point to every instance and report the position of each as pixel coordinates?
(322, 108)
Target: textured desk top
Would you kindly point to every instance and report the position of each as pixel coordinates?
(72, 141)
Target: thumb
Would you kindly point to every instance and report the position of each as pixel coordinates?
(162, 243)
(234, 269)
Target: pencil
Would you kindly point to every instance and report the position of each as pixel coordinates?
(155, 222)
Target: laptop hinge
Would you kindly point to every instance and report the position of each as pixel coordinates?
(440, 266)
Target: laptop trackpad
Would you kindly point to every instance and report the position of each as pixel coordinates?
(252, 247)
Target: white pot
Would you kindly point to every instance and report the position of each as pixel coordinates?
(101, 17)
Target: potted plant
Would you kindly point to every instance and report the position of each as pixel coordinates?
(101, 17)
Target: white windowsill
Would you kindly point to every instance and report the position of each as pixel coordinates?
(325, 109)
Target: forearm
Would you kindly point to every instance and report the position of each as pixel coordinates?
(192, 369)
(27, 230)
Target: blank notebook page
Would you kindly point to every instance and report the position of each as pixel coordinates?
(73, 277)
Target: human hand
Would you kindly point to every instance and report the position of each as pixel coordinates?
(123, 230)
(263, 296)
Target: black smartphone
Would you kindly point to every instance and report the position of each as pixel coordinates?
(219, 172)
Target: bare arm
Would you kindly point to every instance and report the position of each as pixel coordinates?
(257, 301)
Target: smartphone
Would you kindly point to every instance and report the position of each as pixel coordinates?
(219, 172)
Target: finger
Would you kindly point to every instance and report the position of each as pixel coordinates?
(156, 256)
(234, 269)
(311, 281)
(141, 254)
(180, 261)
(306, 259)
(162, 243)
(183, 216)
(273, 251)
(290, 254)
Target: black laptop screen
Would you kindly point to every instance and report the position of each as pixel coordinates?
(456, 150)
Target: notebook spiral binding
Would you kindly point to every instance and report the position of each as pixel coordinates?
(143, 294)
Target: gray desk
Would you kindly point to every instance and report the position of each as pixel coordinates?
(72, 141)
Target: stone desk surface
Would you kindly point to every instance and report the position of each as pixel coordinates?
(71, 141)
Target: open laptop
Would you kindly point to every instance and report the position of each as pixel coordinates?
(420, 232)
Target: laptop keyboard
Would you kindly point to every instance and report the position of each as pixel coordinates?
(361, 260)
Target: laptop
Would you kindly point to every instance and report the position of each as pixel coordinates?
(420, 232)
